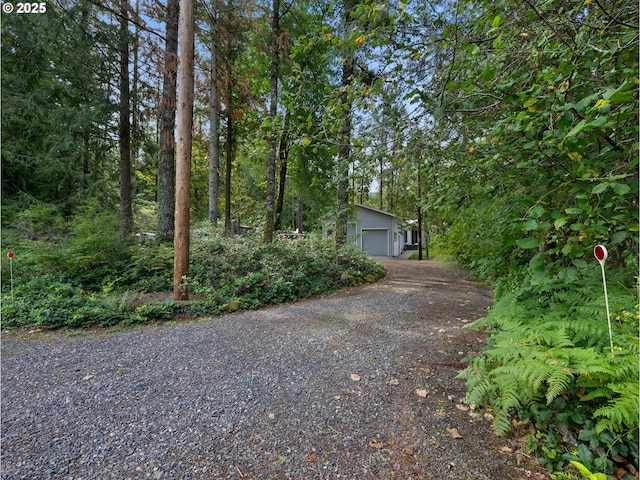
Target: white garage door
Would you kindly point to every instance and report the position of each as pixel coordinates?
(376, 242)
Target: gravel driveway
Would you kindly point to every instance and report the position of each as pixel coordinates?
(357, 385)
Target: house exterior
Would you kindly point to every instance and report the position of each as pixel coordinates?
(378, 233)
(411, 235)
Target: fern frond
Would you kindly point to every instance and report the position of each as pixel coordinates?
(501, 423)
(549, 340)
(597, 394)
(621, 413)
(558, 382)
(549, 336)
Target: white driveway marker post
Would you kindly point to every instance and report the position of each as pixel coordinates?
(601, 254)
(10, 256)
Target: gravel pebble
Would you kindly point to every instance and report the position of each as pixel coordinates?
(260, 394)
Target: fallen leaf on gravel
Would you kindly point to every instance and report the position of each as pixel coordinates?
(441, 414)
(454, 433)
(421, 392)
(337, 397)
(464, 408)
(394, 381)
(506, 450)
(355, 377)
(436, 446)
(87, 377)
(376, 444)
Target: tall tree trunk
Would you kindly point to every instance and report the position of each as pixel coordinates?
(300, 216)
(381, 183)
(284, 159)
(273, 112)
(166, 163)
(124, 135)
(344, 149)
(183, 157)
(135, 109)
(419, 195)
(229, 164)
(214, 157)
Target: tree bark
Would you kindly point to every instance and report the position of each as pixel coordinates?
(273, 113)
(124, 134)
(183, 163)
(229, 165)
(300, 216)
(166, 163)
(344, 149)
(419, 195)
(214, 157)
(135, 107)
(284, 159)
(381, 182)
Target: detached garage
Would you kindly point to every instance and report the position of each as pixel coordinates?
(378, 233)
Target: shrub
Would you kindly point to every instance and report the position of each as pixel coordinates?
(548, 362)
(481, 238)
(47, 302)
(93, 252)
(93, 287)
(43, 221)
(149, 269)
(284, 270)
(158, 311)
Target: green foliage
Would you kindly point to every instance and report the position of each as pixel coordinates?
(89, 277)
(49, 303)
(537, 115)
(540, 115)
(158, 311)
(56, 112)
(481, 238)
(149, 269)
(587, 473)
(242, 268)
(93, 250)
(548, 361)
(43, 221)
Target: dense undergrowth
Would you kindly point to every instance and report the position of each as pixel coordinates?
(548, 371)
(78, 274)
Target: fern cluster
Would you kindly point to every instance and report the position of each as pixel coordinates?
(549, 351)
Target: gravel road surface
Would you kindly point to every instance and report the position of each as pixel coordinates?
(357, 385)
